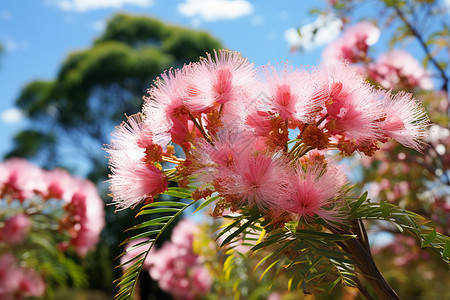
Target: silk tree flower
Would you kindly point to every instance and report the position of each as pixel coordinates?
(16, 229)
(17, 283)
(400, 70)
(133, 178)
(254, 179)
(228, 80)
(87, 212)
(176, 268)
(353, 44)
(315, 191)
(174, 98)
(352, 109)
(289, 93)
(405, 121)
(22, 179)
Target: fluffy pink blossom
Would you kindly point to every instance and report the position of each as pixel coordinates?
(353, 44)
(173, 97)
(16, 229)
(405, 121)
(398, 69)
(353, 109)
(289, 93)
(23, 179)
(133, 179)
(256, 179)
(315, 191)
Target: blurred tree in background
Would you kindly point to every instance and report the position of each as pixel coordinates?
(72, 117)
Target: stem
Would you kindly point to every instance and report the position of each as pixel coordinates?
(360, 252)
(425, 47)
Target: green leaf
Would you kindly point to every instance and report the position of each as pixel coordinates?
(429, 239)
(354, 207)
(127, 282)
(207, 202)
(446, 252)
(384, 209)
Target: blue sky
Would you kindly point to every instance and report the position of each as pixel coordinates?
(37, 35)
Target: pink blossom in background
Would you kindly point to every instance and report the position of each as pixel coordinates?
(353, 43)
(16, 229)
(23, 180)
(84, 209)
(130, 254)
(183, 234)
(400, 70)
(87, 209)
(177, 269)
(16, 282)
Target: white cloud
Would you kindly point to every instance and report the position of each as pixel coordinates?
(5, 14)
(213, 10)
(257, 20)
(283, 15)
(327, 29)
(86, 5)
(99, 25)
(12, 45)
(11, 115)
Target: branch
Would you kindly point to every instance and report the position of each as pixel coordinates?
(425, 47)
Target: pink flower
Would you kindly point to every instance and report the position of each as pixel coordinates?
(88, 211)
(183, 234)
(352, 108)
(399, 70)
(16, 229)
(223, 77)
(405, 121)
(289, 93)
(8, 272)
(130, 254)
(174, 98)
(315, 191)
(16, 282)
(31, 284)
(353, 44)
(23, 179)
(177, 269)
(133, 179)
(256, 179)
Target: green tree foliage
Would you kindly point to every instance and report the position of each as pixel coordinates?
(72, 116)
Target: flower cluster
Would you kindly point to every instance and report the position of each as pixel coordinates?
(353, 44)
(17, 282)
(395, 69)
(38, 191)
(177, 269)
(42, 210)
(257, 136)
(399, 69)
